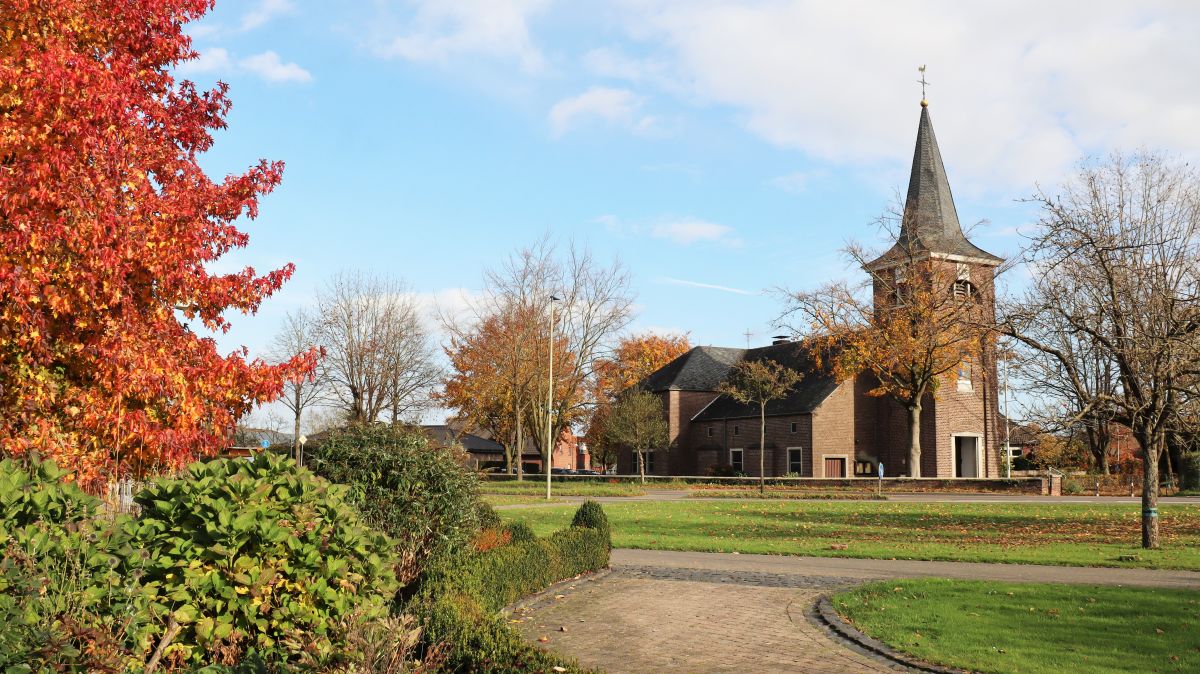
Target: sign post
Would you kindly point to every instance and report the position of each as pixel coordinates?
(880, 478)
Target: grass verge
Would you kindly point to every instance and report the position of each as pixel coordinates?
(1031, 628)
(559, 488)
(1034, 533)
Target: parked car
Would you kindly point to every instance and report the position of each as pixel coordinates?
(588, 472)
(561, 471)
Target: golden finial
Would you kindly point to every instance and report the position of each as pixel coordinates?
(924, 102)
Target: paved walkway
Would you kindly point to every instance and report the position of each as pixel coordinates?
(689, 612)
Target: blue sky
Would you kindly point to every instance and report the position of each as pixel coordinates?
(720, 149)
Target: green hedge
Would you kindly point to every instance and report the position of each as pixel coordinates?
(1189, 471)
(460, 599)
(414, 490)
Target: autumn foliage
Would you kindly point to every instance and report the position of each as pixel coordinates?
(108, 230)
(910, 331)
(499, 371)
(635, 358)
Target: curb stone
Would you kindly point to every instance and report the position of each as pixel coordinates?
(829, 617)
(547, 596)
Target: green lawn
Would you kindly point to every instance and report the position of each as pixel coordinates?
(533, 487)
(1034, 533)
(1031, 628)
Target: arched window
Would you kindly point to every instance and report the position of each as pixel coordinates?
(963, 290)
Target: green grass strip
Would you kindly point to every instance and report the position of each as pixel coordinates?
(1024, 533)
(1031, 628)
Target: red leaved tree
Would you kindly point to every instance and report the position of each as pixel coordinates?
(108, 227)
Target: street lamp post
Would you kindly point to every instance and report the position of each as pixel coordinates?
(549, 449)
(1007, 422)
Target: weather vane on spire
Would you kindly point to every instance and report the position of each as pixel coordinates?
(923, 85)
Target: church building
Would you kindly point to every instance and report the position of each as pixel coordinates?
(827, 428)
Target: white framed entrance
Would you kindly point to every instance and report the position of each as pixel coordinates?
(833, 464)
(967, 454)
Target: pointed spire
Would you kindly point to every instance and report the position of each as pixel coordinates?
(930, 222)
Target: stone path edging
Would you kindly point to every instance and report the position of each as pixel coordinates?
(827, 617)
(548, 595)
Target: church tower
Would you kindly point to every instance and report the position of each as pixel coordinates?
(959, 425)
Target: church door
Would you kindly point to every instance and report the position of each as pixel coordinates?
(966, 456)
(835, 467)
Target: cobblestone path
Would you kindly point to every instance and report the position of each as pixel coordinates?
(641, 619)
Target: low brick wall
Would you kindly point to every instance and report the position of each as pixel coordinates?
(896, 485)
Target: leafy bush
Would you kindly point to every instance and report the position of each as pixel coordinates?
(58, 587)
(36, 491)
(415, 490)
(257, 561)
(460, 598)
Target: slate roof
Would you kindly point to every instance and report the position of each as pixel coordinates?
(930, 221)
(701, 369)
(469, 441)
(704, 368)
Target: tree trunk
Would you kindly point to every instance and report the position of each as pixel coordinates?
(520, 450)
(297, 409)
(914, 440)
(1099, 439)
(296, 437)
(1150, 449)
(762, 449)
(641, 465)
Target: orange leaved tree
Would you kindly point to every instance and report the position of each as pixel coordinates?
(108, 230)
(635, 358)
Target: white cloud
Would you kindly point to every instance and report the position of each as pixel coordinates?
(271, 68)
(264, 12)
(1014, 100)
(707, 286)
(680, 231)
(213, 60)
(614, 106)
(267, 65)
(439, 31)
(686, 232)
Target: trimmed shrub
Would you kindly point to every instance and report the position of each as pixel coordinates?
(257, 561)
(591, 516)
(460, 598)
(415, 490)
(521, 532)
(487, 516)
